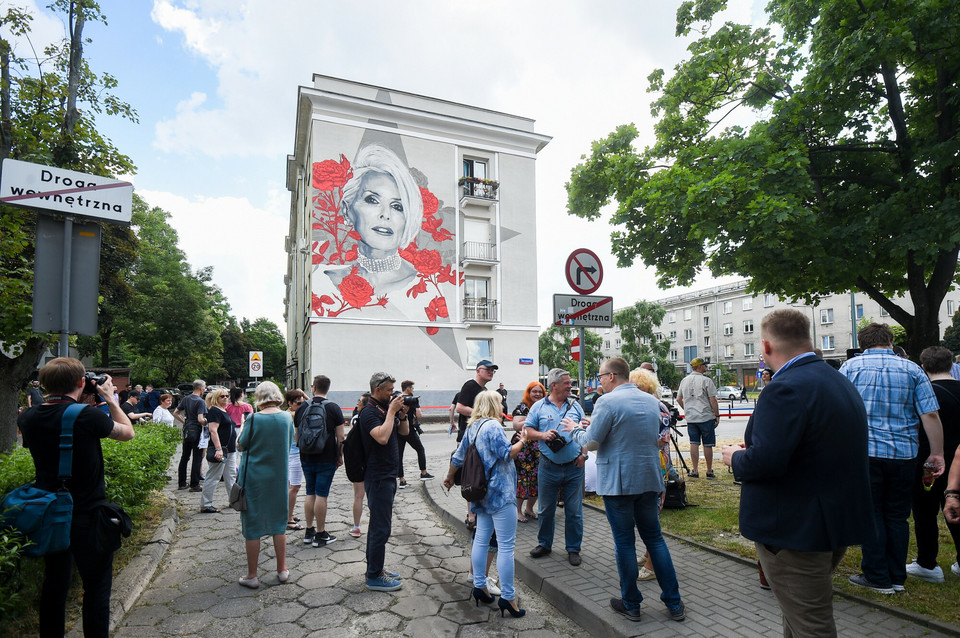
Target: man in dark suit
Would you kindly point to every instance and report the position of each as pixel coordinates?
(803, 464)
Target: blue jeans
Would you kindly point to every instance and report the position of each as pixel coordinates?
(380, 495)
(318, 478)
(504, 521)
(565, 480)
(885, 555)
(640, 510)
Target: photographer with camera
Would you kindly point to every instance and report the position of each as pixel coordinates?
(412, 403)
(66, 380)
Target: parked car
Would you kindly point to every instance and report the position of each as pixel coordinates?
(728, 392)
(588, 400)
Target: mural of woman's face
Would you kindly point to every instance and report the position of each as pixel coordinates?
(377, 212)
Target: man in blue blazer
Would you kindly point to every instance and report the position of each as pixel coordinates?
(626, 424)
(806, 487)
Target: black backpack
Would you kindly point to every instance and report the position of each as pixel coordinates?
(473, 478)
(313, 429)
(354, 458)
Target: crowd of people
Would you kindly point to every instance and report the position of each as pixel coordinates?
(886, 428)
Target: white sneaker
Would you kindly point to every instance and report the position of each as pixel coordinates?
(492, 587)
(955, 568)
(934, 575)
(470, 577)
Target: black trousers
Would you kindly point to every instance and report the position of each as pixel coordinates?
(96, 573)
(190, 447)
(414, 440)
(926, 511)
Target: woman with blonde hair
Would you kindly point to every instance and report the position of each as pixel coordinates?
(265, 443)
(495, 511)
(222, 451)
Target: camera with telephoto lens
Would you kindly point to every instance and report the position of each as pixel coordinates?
(91, 381)
(412, 402)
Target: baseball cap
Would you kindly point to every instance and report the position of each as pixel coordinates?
(486, 363)
(697, 362)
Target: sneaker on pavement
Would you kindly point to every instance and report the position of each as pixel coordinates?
(679, 612)
(898, 589)
(393, 575)
(861, 581)
(308, 535)
(383, 583)
(323, 538)
(492, 587)
(934, 575)
(402, 484)
(955, 568)
(355, 532)
(616, 604)
(426, 477)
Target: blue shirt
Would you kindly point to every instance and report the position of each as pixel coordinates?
(545, 416)
(895, 392)
(494, 449)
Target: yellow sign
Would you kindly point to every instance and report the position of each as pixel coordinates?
(255, 356)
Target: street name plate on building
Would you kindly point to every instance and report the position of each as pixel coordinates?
(583, 311)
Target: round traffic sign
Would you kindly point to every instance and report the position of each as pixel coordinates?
(575, 348)
(255, 366)
(584, 271)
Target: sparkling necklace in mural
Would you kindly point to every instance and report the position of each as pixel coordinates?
(389, 264)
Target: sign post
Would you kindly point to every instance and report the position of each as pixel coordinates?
(584, 273)
(256, 363)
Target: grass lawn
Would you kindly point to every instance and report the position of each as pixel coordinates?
(715, 522)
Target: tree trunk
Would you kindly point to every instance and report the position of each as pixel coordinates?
(13, 373)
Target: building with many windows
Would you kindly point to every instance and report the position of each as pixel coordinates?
(722, 324)
(411, 220)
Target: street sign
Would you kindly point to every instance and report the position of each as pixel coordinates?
(525, 361)
(83, 285)
(583, 311)
(56, 189)
(256, 363)
(575, 348)
(584, 272)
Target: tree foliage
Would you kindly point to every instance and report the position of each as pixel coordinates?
(847, 180)
(555, 350)
(266, 336)
(951, 336)
(641, 343)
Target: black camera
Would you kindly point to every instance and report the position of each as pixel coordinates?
(91, 381)
(556, 444)
(411, 401)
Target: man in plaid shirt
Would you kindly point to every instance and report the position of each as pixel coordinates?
(899, 398)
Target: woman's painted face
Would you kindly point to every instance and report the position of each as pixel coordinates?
(536, 393)
(378, 212)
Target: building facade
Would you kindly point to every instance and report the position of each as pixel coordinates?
(722, 324)
(412, 220)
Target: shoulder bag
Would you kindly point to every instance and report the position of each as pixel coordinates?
(238, 493)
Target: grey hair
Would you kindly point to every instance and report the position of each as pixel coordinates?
(267, 392)
(199, 384)
(555, 376)
(378, 379)
(379, 159)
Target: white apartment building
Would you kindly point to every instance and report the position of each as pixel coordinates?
(412, 220)
(722, 324)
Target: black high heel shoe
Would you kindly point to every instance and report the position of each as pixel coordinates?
(505, 605)
(481, 597)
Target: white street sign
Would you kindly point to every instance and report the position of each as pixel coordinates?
(256, 363)
(583, 311)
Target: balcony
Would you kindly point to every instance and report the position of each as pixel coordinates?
(480, 309)
(478, 252)
(474, 190)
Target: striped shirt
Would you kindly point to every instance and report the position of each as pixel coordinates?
(895, 392)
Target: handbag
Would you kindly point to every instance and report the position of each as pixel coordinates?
(238, 493)
(473, 482)
(42, 516)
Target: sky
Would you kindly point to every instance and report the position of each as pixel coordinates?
(214, 83)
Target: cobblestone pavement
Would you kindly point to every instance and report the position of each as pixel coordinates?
(195, 592)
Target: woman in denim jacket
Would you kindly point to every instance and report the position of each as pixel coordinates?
(496, 511)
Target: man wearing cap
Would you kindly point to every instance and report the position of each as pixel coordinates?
(697, 396)
(469, 392)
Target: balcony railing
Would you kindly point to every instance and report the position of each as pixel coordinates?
(479, 310)
(479, 250)
(481, 188)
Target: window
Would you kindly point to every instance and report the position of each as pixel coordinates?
(826, 342)
(706, 342)
(476, 304)
(950, 308)
(727, 307)
(477, 351)
(645, 341)
(673, 355)
(671, 317)
(768, 300)
(747, 303)
(883, 312)
(728, 329)
(728, 351)
(826, 316)
(687, 314)
(748, 349)
(673, 335)
(606, 345)
(474, 168)
(859, 311)
(706, 322)
(748, 326)
(689, 353)
(687, 335)
(618, 343)
(706, 307)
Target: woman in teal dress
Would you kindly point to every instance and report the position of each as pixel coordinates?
(265, 442)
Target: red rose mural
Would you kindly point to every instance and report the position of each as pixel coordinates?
(356, 290)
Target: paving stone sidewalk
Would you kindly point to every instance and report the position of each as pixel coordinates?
(195, 592)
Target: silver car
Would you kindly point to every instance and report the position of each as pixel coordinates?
(728, 393)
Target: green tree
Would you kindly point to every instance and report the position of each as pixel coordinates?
(848, 180)
(899, 334)
(555, 351)
(951, 336)
(266, 336)
(637, 325)
(236, 352)
(48, 110)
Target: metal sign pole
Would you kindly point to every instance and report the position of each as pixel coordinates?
(65, 287)
(583, 353)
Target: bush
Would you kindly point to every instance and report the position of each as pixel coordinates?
(132, 471)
